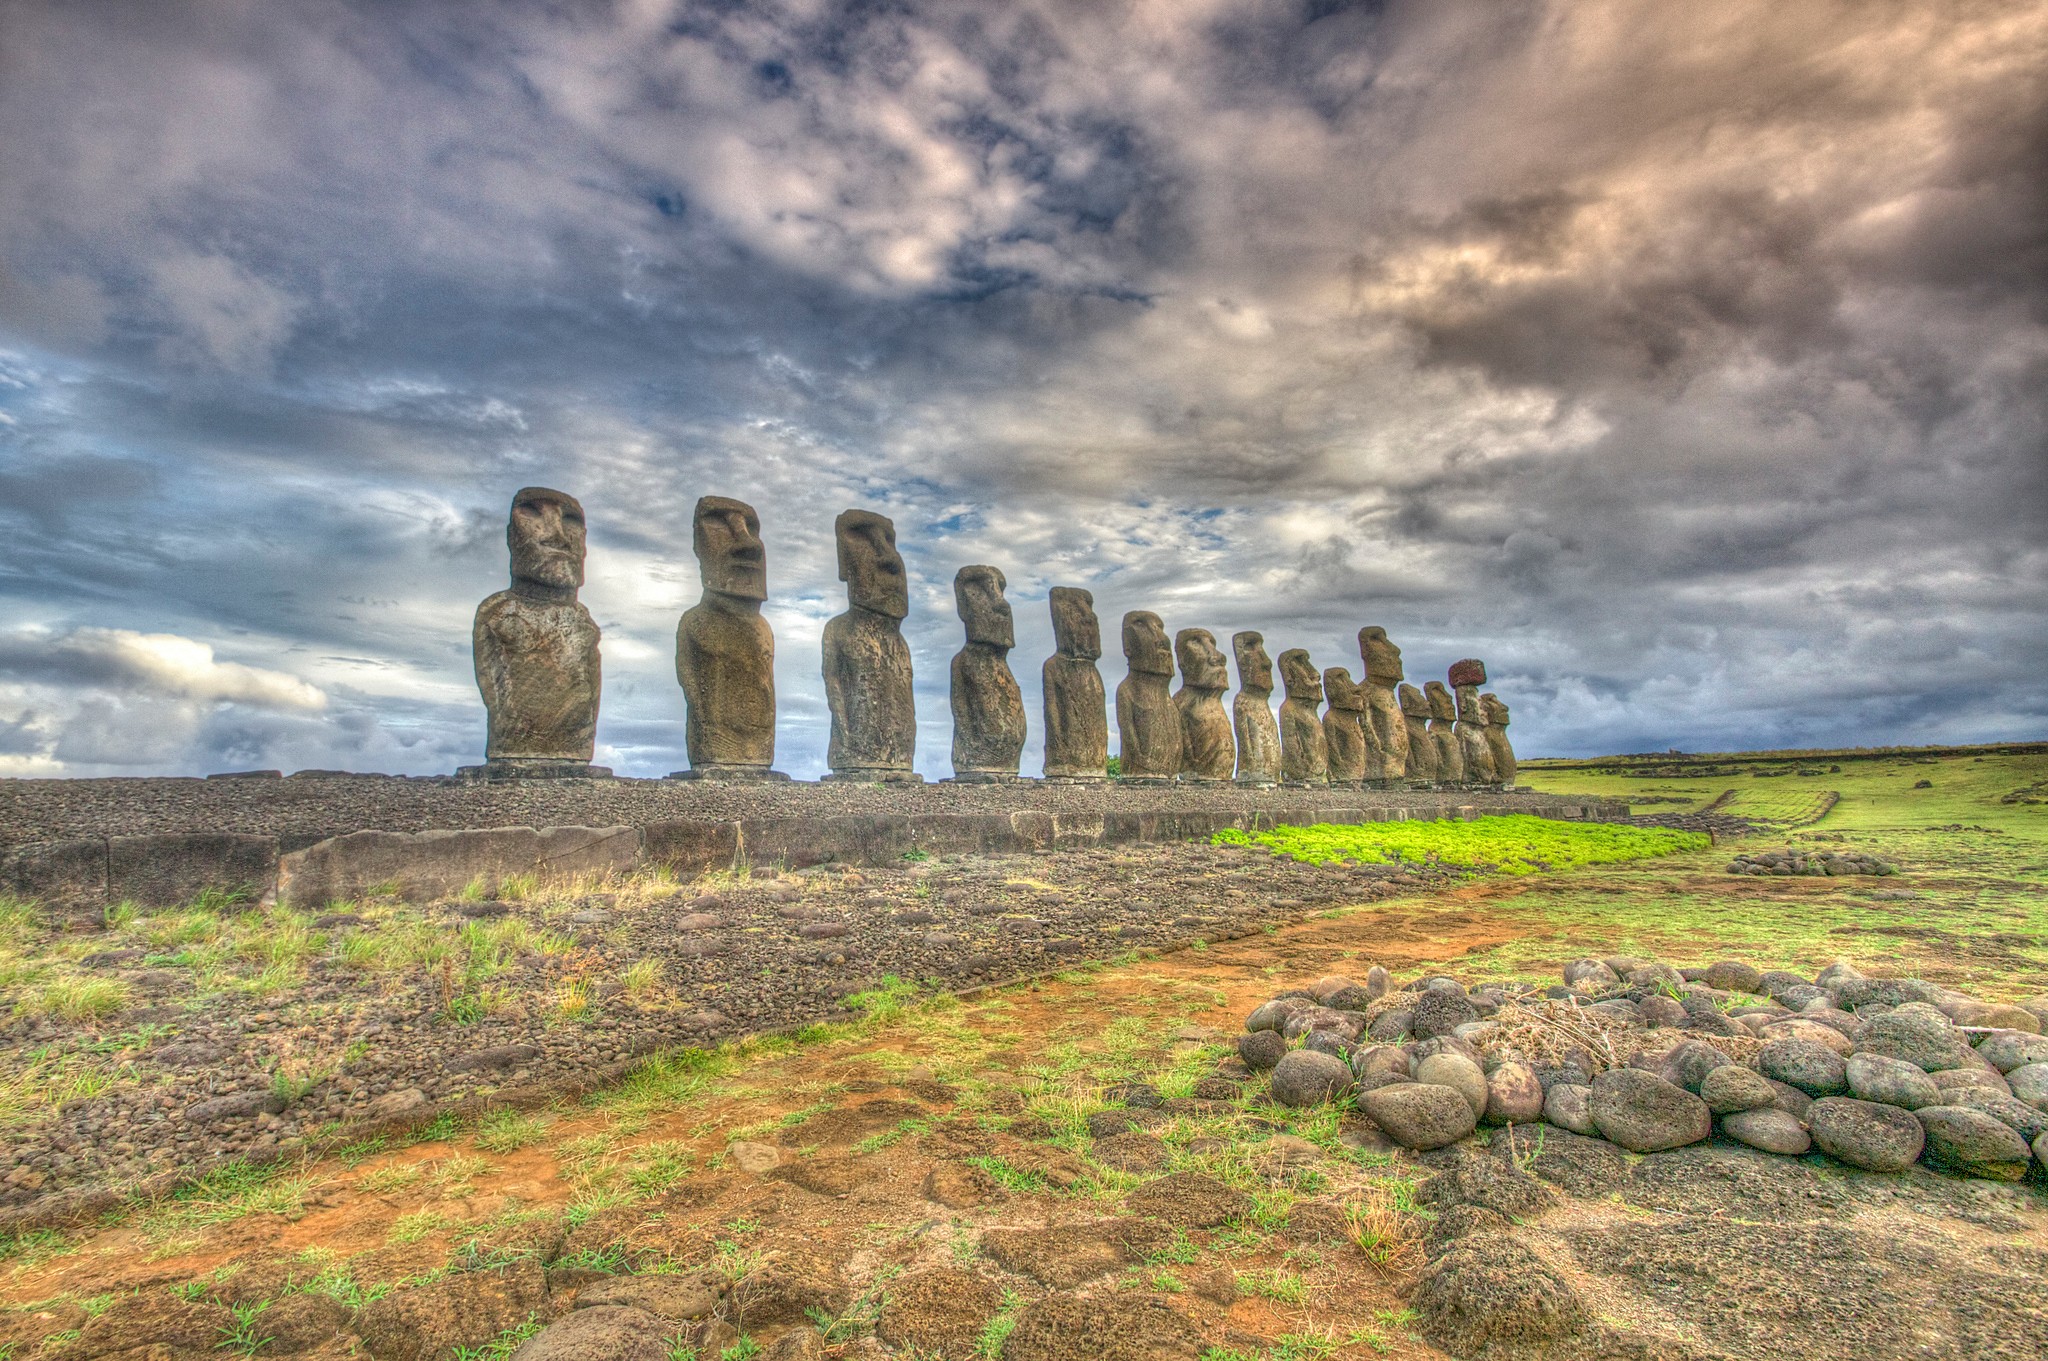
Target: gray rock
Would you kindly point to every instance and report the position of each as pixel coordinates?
(1972, 1142)
(1767, 1128)
(1440, 1011)
(1568, 1105)
(1513, 1095)
(1731, 1088)
(1951, 1080)
(1306, 1078)
(1390, 1027)
(1658, 1011)
(1593, 973)
(1272, 1015)
(1893, 1082)
(1445, 1044)
(2029, 1082)
(1655, 976)
(1644, 1113)
(1732, 975)
(1374, 1064)
(2006, 1050)
(2029, 1123)
(233, 1107)
(1261, 1049)
(1458, 1073)
(608, 1332)
(1419, 1115)
(1690, 1061)
(1835, 974)
(2041, 1150)
(1790, 1100)
(1813, 1032)
(1889, 992)
(1918, 1034)
(1331, 1042)
(1811, 1068)
(1866, 1134)
(1377, 982)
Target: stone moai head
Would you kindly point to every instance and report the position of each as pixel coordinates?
(1495, 711)
(1339, 689)
(1076, 632)
(869, 563)
(1202, 665)
(1441, 705)
(730, 555)
(1471, 671)
(978, 596)
(1254, 667)
(1300, 676)
(1146, 645)
(1413, 705)
(1382, 659)
(545, 534)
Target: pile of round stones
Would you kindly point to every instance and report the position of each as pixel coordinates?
(1877, 1072)
(1790, 861)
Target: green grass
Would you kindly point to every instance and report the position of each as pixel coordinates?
(1516, 843)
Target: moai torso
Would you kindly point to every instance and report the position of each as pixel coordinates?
(535, 646)
(1422, 762)
(1443, 716)
(1383, 706)
(1208, 751)
(1251, 713)
(1076, 716)
(1343, 727)
(725, 650)
(1304, 750)
(988, 707)
(1472, 743)
(1147, 720)
(1497, 739)
(867, 663)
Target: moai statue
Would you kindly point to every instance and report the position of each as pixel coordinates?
(1466, 677)
(1304, 750)
(1389, 730)
(1422, 764)
(725, 651)
(1443, 715)
(1344, 726)
(988, 708)
(867, 663)
(1147, 720)
(1251, 712)
(1076, 714)
(1497, 739)
(1208, 754)
(536, 649)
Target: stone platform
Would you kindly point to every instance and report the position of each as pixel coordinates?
(78, 845)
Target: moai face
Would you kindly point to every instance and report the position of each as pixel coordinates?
(730, 554)
(1300, 676)
(870, 565)
(1076, 631)
(1202, 666)
(978, 596)
(1382, 659)
(1413, 705)
(545, 535)
(1337, 685)
(1254, 667)
(1495, 711)
(1146, 645)
(1441, 705)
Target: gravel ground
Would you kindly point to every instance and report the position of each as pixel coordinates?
(304, 810)
(191, 1062)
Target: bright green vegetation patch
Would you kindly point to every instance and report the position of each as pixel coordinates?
(1514, 843)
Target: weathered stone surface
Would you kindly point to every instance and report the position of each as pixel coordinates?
(435, 864)
(988, 706)
(1569, 1105)
(1443, 733)
(535, 646)
(604, 1333)
(1419, 1115)
(1208, 750)
(170, 869)
(1460, 1074)
(1251, 712)
(1076, 712)
(1731, 1087)
(1422, 762)
(1866, 1134)
(1383, 705)
(1470, 671)
(1971, 1142)
(867, 663)
(1344, 726)
(725, 650)
(1147, 719)
(1812, 1068)
(1644, 1113)
(1473, 746)
(1732, 975)
(1304, 750)
(1767, 1128)
(1895, 1082)
(1497, 739)
(1918, 1034)
(1514, 1095)
(1307, 1078)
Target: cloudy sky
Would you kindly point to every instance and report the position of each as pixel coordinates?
(1688, 363)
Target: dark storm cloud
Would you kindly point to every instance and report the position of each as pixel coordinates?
(1687, 363)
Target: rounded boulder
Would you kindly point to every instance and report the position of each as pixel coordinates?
(2029, 1082)
(1973, 1143)
(1768, 1129)
(1458, 1073)
(2006, 1050)
(1892, 1082)
(1918, 1034)
(1261, 1049)
(1439, 1011)
(1514, 1095)
(1814, 1069)
(1732, 1087)
(1307, 1078)
(1419, 1115)
(1866, 1134)
(1644, 1113)
(1732, 975)
(606, 1332)
(1568, 1105)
